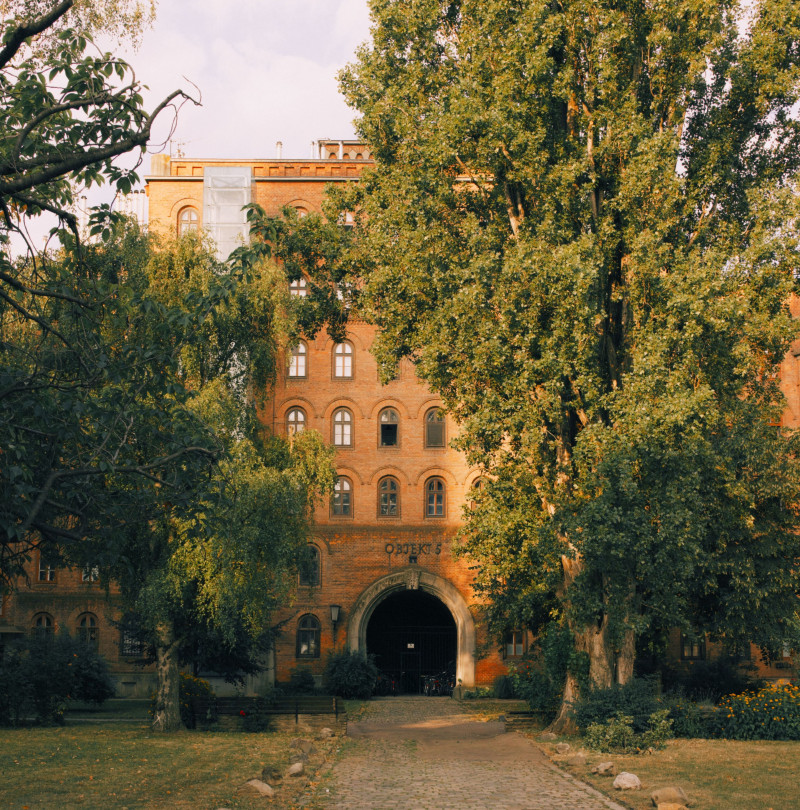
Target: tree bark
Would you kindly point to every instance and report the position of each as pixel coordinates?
(167, 713)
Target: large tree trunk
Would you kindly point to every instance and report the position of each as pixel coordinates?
(167, 713)
(609, 663)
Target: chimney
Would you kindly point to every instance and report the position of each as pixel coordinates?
(279, 150)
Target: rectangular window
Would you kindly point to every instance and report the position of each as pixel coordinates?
(130, 646)
(514, 643)
(90, 574)
(692, 649)
(47, 571)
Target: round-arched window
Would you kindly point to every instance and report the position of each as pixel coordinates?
(434, 498)
(343, 361)
(87, 630)
(343, 428)
(388, 497)
(342, 503)
(434, 428)
(43, 625)
(295, 421)
(308, 637)
(297, 362)
(187, 220)
(389, 427)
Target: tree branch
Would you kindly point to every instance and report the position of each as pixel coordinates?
(24, 32)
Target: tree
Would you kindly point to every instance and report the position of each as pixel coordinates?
(65, 117)
(581, 226)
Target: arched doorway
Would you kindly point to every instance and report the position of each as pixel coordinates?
(413, 578)
(412, 635)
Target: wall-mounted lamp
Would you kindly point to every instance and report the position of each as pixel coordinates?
(335, 620)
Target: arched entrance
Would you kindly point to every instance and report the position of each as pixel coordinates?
(412, 579)
(412, 635)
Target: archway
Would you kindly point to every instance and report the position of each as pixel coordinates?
(413, 578)
(412, 635)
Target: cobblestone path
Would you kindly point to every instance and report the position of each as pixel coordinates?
(429, 754)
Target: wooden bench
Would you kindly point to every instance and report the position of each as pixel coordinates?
(297, 705)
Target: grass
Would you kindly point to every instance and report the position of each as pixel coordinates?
(124, 765)
(716, 774)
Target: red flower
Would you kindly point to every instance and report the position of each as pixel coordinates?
(242, 713)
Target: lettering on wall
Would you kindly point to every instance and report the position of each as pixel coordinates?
(401, 549)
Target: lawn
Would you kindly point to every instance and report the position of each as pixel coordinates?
(716, 774)
(123, 765)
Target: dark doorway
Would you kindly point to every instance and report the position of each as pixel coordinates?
(412, 636)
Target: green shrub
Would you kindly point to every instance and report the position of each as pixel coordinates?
(477, 692)
(617, 734)
(190, 688)
(256, 718)
(350, 674)
(636, 699)
(301, 682)
(503, 687)
(539, 678)
(690, 719)
(710, 680)
(773, 713)
(40, 674)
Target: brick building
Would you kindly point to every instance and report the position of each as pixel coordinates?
(385, 579)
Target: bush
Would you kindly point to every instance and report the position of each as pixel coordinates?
(476, 693)
(710, 680)
(256, 718)
(773, 713)
(503, 687)
(689, 719)
(350, 674)
(539, 678)
(636, 699)
(40, 674)
(190, 688)
(301, 681)
(617, 734)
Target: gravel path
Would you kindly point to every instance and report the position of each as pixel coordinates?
(418, 753)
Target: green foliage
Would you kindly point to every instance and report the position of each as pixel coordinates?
(477, 693)
(192, 688)
(617, 734)
(38, 675)
(690, 719)
(503, 687)
(773, 713)
(350, 674)
(256, 718)
(583, 237)
(637, 700)
(710, 680)
(539, 678)
(302, 682)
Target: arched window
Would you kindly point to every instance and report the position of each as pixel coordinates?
(308, 637)
(43, 625)
(343, 428)
(478, 485)
(309, 567)
(388, 498)
(389, 424)
(298, 287)
(301, 212)
(434, 498)
(87, 630)
(297, 362)
(342, 503)
(295, 421)
(434, 428)
(187, 220)
(343, 361)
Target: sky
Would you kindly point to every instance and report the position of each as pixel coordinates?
(266, 70)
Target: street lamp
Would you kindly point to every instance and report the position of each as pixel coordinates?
(335, 619)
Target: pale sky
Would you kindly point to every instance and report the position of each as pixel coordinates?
(266, 70)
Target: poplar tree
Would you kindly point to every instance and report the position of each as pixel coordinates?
(581, 226)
